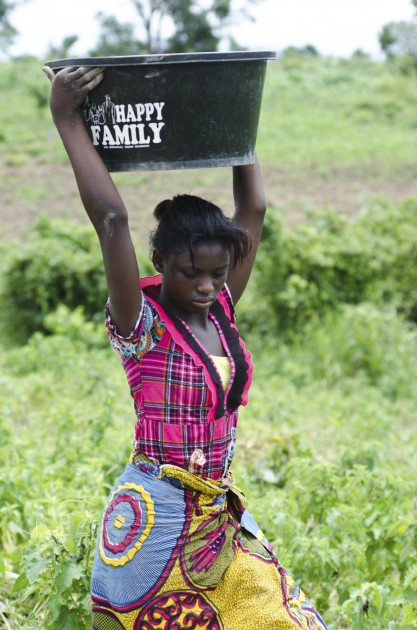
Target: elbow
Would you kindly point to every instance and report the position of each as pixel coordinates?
(113, 220)
(259, 207)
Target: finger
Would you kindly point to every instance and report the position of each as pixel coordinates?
(84, 74)
(63, 73)
(82, 79)
(49, 72)
(93, 76)
(94, 81)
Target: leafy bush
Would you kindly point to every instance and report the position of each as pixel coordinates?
(57, 447)
(60, 263)
(363, 342)
(305, 271)
(332, 528)
(390, 233)
(56, 574)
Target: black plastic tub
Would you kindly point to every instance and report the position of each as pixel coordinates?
(174, 111)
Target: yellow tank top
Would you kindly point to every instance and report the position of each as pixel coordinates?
(224, 368)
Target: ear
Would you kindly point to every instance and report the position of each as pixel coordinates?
(158, 261)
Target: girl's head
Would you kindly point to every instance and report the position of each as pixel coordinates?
(187, 222)
(193, 246)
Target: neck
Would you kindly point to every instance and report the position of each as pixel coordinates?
(192, 319)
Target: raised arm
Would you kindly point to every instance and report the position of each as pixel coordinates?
(249, 196)
(99, 195)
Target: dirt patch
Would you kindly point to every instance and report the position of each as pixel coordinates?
(345, 190)
(37, 190)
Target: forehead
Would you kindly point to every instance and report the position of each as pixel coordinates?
(205, 256)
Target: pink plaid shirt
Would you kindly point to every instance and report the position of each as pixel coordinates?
(184, 415)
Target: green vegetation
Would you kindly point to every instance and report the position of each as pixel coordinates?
(327, 444)
(329, 114)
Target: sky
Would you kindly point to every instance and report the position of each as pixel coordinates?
(334, 27)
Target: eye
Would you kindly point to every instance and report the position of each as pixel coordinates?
(220, 273)
(188, 274)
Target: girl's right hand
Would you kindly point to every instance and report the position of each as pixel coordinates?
(70, 86)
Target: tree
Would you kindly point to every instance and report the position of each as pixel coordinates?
(304, 51)
(386, 40)
(153, 15)
(399, 39)
(7, 31)
(62, 51)
(116, 38)
(197, 31)
(193, 27)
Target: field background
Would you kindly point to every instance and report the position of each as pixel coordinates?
(326, 450)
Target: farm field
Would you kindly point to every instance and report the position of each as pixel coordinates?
(326, 446)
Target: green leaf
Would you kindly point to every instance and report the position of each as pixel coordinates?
(68, 573)
(410, 578)
(20, 584)
(36, 569)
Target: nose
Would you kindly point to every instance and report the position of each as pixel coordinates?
(205, 286)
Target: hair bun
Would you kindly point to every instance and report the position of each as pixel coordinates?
(162, 208)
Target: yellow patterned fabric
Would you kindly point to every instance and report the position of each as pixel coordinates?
(179, 552)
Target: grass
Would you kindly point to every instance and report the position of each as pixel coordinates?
(326, 113)
(326, 450)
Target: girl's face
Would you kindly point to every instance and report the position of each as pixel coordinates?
(188, 288)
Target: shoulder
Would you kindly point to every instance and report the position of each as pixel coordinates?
(148, 331)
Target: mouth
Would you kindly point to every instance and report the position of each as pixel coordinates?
(203, 302)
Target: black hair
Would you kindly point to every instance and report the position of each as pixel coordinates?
(187, 221)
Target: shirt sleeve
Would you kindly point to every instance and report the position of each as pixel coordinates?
(148, 330)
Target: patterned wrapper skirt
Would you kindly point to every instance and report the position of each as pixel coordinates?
(176, 551)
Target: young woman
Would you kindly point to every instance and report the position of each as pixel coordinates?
(177, 547)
